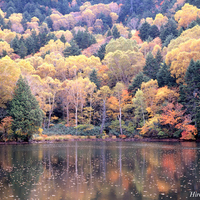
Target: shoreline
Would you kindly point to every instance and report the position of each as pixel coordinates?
(98, 139)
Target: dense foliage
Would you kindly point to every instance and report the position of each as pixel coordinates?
(25, 112)
(117, 67)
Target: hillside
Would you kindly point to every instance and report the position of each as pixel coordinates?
(125, 67)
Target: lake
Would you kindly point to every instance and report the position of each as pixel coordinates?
(100, 170)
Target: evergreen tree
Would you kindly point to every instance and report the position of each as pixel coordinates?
(29, 43)
(22, 50)
(194, 3)
(190, 93)
(2, 23)
(168, 40)
(115, 32)
(159, 58)
(164, 77)
(109, 33)
(144, 31)
(154, 31)
(151, 67)
(49, 22)
(107, 21)
(25, 111)
(137, 82)
(169, 29)
(94, 79)
(72, 50)
(62, 39)
(101, 52)
(84, 39)
(15, 45)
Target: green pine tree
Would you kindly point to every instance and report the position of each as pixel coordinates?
(72, 50)
(109, 33)
(151, 67)
(94, 78)
(190, 92)
(164, 77)
(101, 52)
(22, 50)
(15, 44)
(62, 39)
(144, 31)
(137, 82)
(25, 111)
(115, 32)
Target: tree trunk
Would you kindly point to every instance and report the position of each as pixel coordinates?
(76, 116)
(104, 116)
(67, 114)
(120, 120)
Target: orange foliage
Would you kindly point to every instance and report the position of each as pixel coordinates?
(136, 37)
(172, 114)
(5, 126)
(189, 131)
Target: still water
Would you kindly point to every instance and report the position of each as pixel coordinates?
(100, 170)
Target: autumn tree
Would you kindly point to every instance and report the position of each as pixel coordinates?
(25, 111)
(123, 66)
(173, 116)
(118, 92)
(121, 44)
(186, 15)
(10, 73)
(51, 87)
(150, 90)
(6, 127)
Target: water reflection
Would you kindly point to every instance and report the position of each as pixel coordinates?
(99, 170)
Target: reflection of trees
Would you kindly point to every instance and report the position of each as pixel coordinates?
(21, 173)
(82, 170)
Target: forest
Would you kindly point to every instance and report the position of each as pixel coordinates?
(127, 68)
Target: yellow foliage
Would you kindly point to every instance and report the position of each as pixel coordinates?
(160, 20)
(40, 130)
(122, 29)
(165, 94)
(25, 67)
(180, 57)
(10, 73)
(114, 17)
(54, 46)
(2, 13)
(149, 20)
(7, 35)
(186, 15)
(15, 20)
(151, 124)
(4, 46)
(68, 35)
